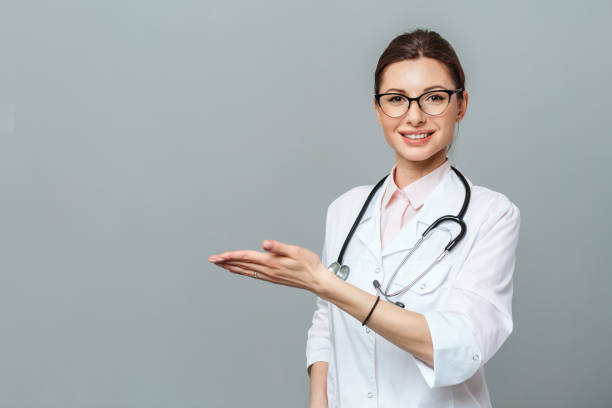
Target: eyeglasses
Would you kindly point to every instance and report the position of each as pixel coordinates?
(432, 102)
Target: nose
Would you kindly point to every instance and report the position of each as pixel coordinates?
(415, 116)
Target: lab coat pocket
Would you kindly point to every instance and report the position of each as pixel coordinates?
(431, 281)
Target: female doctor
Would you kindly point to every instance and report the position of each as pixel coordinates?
(396, 328)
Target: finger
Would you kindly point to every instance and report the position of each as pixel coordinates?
(262, 273)
(279, 248)
(247, 272)
(242, 255)
(249, 267)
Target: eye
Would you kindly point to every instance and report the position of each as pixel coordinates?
(394, 99)
(436, 97)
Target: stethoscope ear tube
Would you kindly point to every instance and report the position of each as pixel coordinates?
(454, 219)
(358, 219)
(342, 271)
(459, 236)
(468, 193)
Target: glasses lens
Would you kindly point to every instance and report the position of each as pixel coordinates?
(435, 102)
(394, 105)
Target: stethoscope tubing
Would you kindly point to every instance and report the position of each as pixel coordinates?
(445, 218)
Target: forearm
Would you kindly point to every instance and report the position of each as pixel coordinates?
(404, 328)
(318, 384)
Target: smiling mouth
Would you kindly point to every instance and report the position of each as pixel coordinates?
(416, 136)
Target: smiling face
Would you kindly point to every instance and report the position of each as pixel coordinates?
(413, 77)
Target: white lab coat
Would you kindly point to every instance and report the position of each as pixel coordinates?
(466, 300)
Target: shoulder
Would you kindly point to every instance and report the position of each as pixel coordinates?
(341, 214)
(343, 210)
(350, 198)
(493, 207)
(493, 200)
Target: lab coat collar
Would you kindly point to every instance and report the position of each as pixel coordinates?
(446, 198)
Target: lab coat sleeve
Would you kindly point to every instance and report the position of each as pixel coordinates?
(318, 343)
(476, 319)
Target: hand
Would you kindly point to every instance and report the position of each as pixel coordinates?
(283, 264)
(318, 404)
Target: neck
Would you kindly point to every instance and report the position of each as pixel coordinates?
(407, 171)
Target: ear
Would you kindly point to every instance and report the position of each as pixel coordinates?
(377, 110)
(463, 104)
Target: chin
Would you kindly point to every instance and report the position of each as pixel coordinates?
(416, 158)
(416, 153)
(420, 154)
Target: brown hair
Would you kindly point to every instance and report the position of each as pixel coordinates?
(416, 44)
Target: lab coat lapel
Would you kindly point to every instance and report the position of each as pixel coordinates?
(368, 230)
(446, 198)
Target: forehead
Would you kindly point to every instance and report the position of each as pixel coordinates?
(414, 75)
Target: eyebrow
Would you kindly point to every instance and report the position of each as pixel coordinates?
(424, 90)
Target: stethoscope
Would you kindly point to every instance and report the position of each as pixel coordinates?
(342, 271)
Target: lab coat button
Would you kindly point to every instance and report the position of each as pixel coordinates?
(367, 329)
(423, 286)
(370, 395)
(476, 357)
(377, 270)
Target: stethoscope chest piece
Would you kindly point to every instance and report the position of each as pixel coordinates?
(341, 271)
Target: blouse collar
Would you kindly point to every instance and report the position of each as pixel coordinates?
(417, 191)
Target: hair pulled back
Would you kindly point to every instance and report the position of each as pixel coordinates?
(416, 44)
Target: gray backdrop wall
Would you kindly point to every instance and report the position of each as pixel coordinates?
(139, 137)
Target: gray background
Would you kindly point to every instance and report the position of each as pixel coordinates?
(139, 137)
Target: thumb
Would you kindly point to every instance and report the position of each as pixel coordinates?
(277, 247)
(269, 245)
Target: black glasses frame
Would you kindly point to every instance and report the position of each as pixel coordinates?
(417, 100)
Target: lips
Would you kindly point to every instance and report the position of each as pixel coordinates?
(416, 134)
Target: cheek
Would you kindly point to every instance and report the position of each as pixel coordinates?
(447, 125)
(390, 125)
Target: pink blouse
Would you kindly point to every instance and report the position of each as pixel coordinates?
(399, 206)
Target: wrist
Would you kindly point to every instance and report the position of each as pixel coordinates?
(318, 402)
(326, 282)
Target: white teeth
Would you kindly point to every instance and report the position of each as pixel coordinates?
(421, 136)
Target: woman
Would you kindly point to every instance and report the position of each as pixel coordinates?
(427, 345)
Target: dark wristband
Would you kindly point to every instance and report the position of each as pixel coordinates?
(371, 310)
